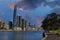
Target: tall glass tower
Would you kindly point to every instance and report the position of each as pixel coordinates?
(19, 21)
(15, 17)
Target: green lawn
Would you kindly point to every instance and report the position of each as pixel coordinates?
(56, 31)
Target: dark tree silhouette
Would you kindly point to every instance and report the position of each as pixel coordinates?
(51, 22)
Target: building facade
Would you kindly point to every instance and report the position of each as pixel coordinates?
(19, 21)
(24, 24)
(10, 25)
(15, 17)
(0, 23)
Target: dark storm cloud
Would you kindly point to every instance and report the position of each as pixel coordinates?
(56, 10)
(52, 4)
(29, 4)
(32, 4)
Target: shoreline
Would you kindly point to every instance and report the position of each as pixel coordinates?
(45, 37)
(51, 36)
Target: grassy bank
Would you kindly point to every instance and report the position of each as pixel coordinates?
(56, 31)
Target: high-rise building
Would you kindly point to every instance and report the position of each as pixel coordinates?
(10, 25)
(19, 21)
(15, 17)
(0, 23)
(29, 24)
(24, 24)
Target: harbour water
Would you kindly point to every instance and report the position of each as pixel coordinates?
(23, 35)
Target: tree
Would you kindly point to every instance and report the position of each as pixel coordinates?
(50, 22)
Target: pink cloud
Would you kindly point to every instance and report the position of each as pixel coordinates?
(39, 21)
(12, 5)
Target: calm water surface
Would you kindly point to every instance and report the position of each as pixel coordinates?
(27, 35)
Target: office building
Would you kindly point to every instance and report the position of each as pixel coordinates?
(19, 21)
(24, 24)
(10, 25)
(0, 23)
(15, 17)
(6, 26)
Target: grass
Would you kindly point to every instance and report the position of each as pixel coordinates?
(56, 31)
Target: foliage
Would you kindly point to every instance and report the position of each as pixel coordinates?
(51, 22)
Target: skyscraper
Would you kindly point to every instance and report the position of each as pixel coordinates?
(19, 21)
(14, 16)
(24, 24)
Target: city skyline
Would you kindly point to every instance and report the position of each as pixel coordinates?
(44, 8)
(21, 25)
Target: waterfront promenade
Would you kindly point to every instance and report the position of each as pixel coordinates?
(52, 36)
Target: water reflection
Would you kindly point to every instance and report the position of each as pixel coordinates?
(28, 35)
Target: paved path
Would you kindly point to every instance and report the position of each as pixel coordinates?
(52, 37)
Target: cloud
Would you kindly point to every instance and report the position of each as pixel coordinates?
(29, 17)
(39, 21)
(27, 4)
(52, 4)
(12, 4)
(32, 4)
(56, 10)
(50, 0)
(36, 3)
(33, 19)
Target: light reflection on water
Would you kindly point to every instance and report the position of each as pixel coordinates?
(27, 35)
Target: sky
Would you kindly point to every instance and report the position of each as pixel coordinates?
(35, 10)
